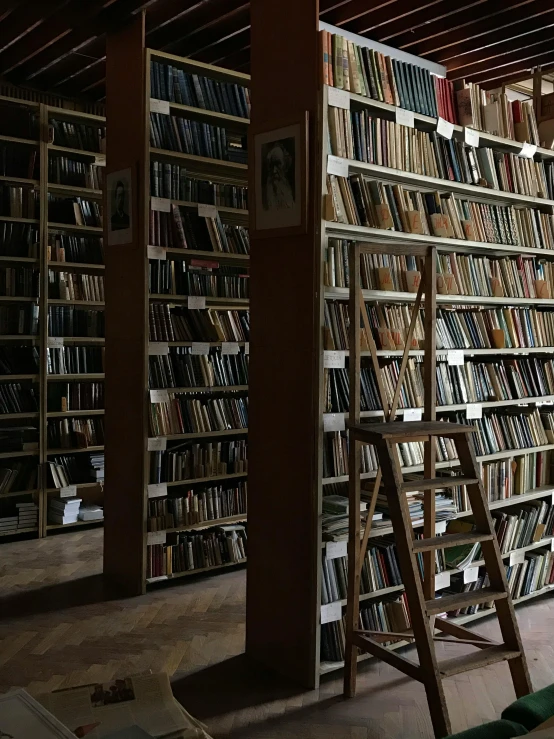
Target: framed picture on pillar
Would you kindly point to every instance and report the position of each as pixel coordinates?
(280, 178)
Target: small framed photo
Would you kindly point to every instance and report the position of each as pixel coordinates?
(281, 179)
(120, 207)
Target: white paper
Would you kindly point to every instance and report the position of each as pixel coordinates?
(230, 347)
(440, 527)
(471, 574)
(445, 128)
(442, 580)
(334, 422)
(413, 414)
(196, 302)
(552, 545)
(157, 490)
(55, 342)
(100, 160)
(207, 211)
(331, 612)
(338, 98)
(159, 106)
(161, 204)
(404, 117)
(334, 359)
(157, 348)
(159, 396)
(517, 558)
(528, 151)
(335, 549)
(247, 347)
(471, 137)
(70, 491)
(155, 537)
(474, 410)
(22, 716)
(337, 166)
(455, 356)
(157, 444)
(200, 347)
(156, 252)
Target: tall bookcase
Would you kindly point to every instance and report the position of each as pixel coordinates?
(168, 513)
(36, 333)
(284, 612)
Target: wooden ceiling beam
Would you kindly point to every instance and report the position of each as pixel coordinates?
(6, 7)
(512, 69)
(25, 18)
(73, 64)
(237, 61)
(213, 33)
(225, 49)
(340, 15)
(165, 13)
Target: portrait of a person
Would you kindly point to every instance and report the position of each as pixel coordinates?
(120, 219)
(278, 187)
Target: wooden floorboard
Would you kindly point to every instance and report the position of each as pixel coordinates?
(59, 628)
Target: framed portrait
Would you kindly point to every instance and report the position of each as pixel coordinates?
(281, 179)
(120, 207)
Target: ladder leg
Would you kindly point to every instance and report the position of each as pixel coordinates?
(354, 572)
(495, 568)
(402, 525)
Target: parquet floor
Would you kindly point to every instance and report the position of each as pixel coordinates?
(57, 630)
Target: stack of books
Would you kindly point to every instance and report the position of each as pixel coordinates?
(8, 524)
(96, 471)
(27, 515)
(91, 512)
(64, 510)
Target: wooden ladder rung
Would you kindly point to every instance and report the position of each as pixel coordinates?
(436, 483)
(463, 600)
(449, 540)
(474, 660)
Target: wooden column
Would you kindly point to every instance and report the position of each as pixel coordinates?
(285, 349)
(126, 317)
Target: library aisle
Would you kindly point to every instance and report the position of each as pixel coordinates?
(58, 630)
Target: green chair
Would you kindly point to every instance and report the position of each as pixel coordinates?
(494, 730)
(532, 709)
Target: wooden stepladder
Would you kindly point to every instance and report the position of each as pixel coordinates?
(424, 607)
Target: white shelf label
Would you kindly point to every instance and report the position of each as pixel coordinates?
(528, 151)
(247, 347)
(159, 396)
(445, 128)
(335, 549)
(157, 490)
(471, 574)
(331, 611)
(338, 98)
(55, 342)
(552, 545)
(157, 444)
(207, 211)
(471, 137)
(442, 580)
(100, 160)
(404, 117)
(156, 252)
(440, 527)
(474, 410)
(155, 537)
(157, 348)
(161, 204)
(517, 558)
(196, 302)
(337, 166)
(334, 359)
(159, 106)
(70, 491)
(230, 347)
(413, 414)
(455, 356)
(200, 347)
(334, 422)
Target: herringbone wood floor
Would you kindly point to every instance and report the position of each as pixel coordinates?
(57, 630)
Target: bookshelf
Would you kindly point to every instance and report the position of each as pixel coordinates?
(290, 619)
(184, 502)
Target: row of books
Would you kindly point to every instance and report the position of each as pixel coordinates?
(361, 201)
(187, 414)
(65, 171)
(18, 398)
(77, 135)
(18, 161)
(18, 475)
(75, 286)
(19, 360)
(74, 248)
(197, 506)
(358, 136)
(180, 368)
(19, 239)
(523, 525)
(509, 428)
(182, 228)
(74, 360)
(196, 91)
(18, 121)
(181, 324)
(174, 182)
(18, 202)
(22, 319)
(19, 439)
(74, 211)
(17, 516)
(177, 277)
(69, 320)
(19, 281)
(174, 133)
(75, 396)
(196, 460)
(75, 469)
(70, 433)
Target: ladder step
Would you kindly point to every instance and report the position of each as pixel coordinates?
(474, 660)
(463, 600)
(449, 540)
(436, 483)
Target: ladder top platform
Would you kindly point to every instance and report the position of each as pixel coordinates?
(374, 432)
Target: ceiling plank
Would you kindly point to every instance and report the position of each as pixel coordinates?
(6, 7)
(21, 21)
(512, 69)
(350, 11)
(72, 64)
(226, 48)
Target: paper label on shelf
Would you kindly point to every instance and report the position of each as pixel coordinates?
(471, 137)
(156, 252)
(445, 128)
(161, 204)
(230, 347)
(155, 537)
(338, 98)
(159, 106)
(474, 410)
(207, 211)
(455, 357)
(331, 611)
(100, 160)
(413, 414)
(335, 549)
(200, 347)
(55, 342)
(337, 166)
(334, 422)
(70, 491)
(334, 359)
(247, 347)
(157, 348)
(471, 574)
(196, 302)
(528, 151)
(157, 444)
(442, 580)
(404, 117)
(159, 396)
(552, 545)
(157, 490)
(517, 558)
(440, 527)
